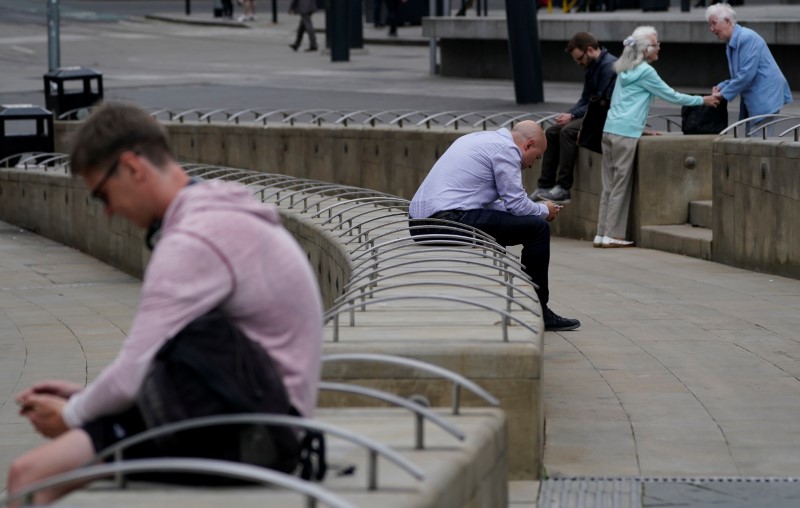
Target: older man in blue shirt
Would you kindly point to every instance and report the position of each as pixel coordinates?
(755, 75)
(478, 182)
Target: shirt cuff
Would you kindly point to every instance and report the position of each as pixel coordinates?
(68, 414)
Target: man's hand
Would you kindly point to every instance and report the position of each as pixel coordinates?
(648, 132)
(711, 100)
(63, 389)
(716, 91)
(44, 413)
(563, 119)
(553, 210)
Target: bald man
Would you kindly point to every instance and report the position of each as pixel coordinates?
(478, 182)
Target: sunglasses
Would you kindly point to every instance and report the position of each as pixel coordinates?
(98, 193)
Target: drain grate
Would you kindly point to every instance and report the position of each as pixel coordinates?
(663, 492)
(590, 493)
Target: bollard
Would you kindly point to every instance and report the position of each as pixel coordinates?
(356, 26)
(339, 28)
(53, 35)
(526, 56)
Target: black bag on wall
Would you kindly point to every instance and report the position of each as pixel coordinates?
(704, 119)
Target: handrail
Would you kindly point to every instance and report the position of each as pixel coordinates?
(373, 280)
(422, 413)
(457, 379)
(234, 470)
(503, 322)
(734, 126)
(375, 448)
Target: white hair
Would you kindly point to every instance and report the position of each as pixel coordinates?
(721, 11)
(635, 46)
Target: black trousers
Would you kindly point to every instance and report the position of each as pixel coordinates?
(530, 231)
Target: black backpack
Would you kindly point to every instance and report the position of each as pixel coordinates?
(211, 368)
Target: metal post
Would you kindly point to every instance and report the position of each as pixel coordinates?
(526, 56)
(432, 43)
(188, 7)
(340, 30)
(274, 11)
(53, 37)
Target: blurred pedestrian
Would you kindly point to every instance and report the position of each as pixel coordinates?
(305, 8)
(249, 7)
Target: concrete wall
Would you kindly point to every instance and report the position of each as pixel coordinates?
(757, 205)
(691, 55)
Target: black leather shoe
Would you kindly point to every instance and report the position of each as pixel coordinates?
(294, 46)
(312, 48)
(555, 323)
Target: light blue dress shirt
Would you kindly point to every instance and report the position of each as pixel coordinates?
(479, 170)
(754, 75)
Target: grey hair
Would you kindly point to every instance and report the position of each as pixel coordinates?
(721, 11)
(633, 54)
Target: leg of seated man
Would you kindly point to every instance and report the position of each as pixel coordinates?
(69, 451)
(530, 231)
(568, 146)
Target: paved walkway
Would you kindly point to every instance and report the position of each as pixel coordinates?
(682, 367)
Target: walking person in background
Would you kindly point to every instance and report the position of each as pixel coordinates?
(305, 8)
(249, 7)
(392, 15)
(227, 9)
(755, 75)
(562, 137)
(637, 85)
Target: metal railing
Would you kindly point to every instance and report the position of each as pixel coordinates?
(458, 380)
(373, 447)
(313, 493)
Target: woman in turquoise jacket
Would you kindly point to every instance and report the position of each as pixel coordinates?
(637, 85)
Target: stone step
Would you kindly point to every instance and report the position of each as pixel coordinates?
(678, 239)
(700, 213)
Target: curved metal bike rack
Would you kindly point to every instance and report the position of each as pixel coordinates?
(422, 413)
(373, 447)
(458, 380)
(313, 493)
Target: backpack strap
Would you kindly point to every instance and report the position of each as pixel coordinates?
(313, 464)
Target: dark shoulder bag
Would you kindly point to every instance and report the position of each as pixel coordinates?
(211, 368)
(704, 119)
(591, 134)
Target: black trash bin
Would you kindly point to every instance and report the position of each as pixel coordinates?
(70, 89)
(24, 128)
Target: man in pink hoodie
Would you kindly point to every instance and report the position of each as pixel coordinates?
(217, 249)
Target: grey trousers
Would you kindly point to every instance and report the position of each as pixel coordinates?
(619, 154)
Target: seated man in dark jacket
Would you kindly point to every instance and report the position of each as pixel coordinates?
(562, 138)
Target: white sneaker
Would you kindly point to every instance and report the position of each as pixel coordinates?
(613, 243)
(537, 194)
(597, 242)
(241, 19)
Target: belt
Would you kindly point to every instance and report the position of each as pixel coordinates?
(444, 214)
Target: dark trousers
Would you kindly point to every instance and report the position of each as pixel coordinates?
(558, 162)
(530, 231)
(306, 26)
(392, 8)
(227, 8)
